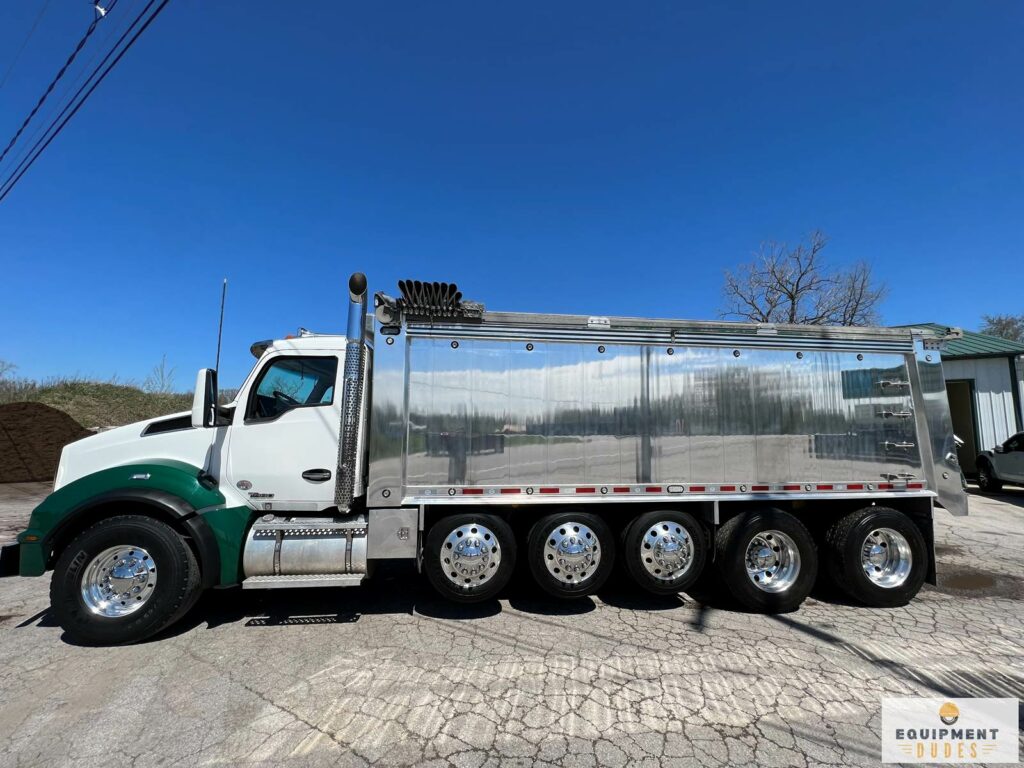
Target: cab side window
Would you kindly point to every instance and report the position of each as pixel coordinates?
(1015, 443)
(292, 382)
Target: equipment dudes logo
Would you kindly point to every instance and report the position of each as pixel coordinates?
(949, 731)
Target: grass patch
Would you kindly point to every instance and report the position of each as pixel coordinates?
(95, 403)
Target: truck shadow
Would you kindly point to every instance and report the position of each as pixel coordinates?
(396, 589)
(1008, 495)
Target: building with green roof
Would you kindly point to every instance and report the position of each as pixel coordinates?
(985, 384)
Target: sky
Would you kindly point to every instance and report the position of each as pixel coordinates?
(580, 157)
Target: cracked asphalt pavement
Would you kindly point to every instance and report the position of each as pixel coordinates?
(388, 674)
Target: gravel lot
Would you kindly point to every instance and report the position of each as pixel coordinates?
(388, 674)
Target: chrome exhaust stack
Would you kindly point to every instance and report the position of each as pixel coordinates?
(348, 481)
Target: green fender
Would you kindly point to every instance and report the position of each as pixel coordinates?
(178, 489)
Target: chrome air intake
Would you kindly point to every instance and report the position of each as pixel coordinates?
(349, 464)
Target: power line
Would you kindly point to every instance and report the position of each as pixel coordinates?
(100, 14)
(20, 171)
(21, 50)
(40, 134)
(29, 142)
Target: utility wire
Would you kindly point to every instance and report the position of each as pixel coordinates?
(16, 175)
(100, 14)
(38, 129)
(40, 135)
(21, 50)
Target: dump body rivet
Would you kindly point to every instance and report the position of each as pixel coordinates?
(385, 493)
(601, 349)
(799, 355)
(529, 347)
(860, 357)
(389, 341)
(455, 345)
(735, 353)
(671, 351)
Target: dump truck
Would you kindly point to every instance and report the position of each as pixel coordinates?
(685, 457)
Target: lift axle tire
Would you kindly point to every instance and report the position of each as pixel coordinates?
(122, 580)
(570, 554)
(877, 556)
(469, 558)
(767, 559)
(664, 551)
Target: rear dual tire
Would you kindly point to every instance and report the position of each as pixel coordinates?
(767, 560)
(570, 554)
(877, 556)
(664, 551)
(469, 558)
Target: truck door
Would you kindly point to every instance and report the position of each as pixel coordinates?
(283, 447)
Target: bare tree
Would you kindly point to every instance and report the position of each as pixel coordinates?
(795, 285)
(1005, 326)
(161, 379)
(6, 368)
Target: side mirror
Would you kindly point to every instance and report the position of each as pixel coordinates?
(998, 449)
(204, 401)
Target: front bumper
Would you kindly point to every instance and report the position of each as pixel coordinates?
(10, 557)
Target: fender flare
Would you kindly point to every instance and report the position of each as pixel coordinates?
(183, 514)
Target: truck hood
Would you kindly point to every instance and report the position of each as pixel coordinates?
(165, 437)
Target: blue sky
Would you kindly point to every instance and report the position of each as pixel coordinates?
(590, 157)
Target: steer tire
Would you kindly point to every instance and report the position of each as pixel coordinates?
(845, 542)
(731, 544)
(176, 588)
(637, 550)
(440, 570)
(559, 584)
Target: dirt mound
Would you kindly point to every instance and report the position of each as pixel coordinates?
(31, 438)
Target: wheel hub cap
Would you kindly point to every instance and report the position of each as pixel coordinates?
(886, 557)
(118, 581)
(772, 561)
(470, 555)
(666, 550)
(572, 552)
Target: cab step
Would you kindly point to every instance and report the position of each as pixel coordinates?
(292, 581)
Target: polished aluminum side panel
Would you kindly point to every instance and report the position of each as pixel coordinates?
(461, 407)
(942, 468)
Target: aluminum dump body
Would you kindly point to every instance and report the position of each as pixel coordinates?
(517, 408)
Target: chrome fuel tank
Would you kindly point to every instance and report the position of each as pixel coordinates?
(294, 546)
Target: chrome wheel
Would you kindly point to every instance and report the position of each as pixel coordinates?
(572, 552)
(119, 581)
(886, 557)
(666, 550)
(773, 561)
(470, 555)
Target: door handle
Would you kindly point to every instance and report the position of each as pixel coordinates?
(317, 475)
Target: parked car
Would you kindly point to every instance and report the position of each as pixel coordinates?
(1003, 464)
